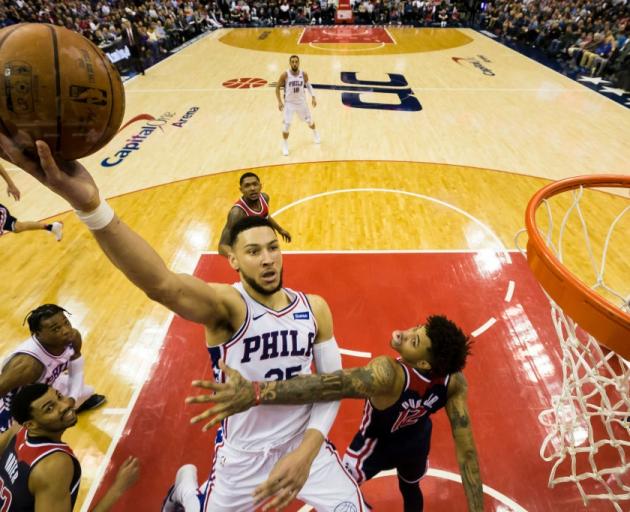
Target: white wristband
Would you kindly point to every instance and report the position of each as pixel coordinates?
(97, 219)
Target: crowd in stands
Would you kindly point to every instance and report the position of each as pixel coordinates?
(593, 36)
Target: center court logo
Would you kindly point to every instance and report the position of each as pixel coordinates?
(151, 124)
(479, 62)
(351, 90)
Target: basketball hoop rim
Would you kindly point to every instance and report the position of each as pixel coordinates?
(607, 323)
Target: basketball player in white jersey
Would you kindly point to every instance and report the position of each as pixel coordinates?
(265, 331)
(52, 355)
(291, 85)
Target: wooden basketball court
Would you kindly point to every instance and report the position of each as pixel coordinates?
(432, 143)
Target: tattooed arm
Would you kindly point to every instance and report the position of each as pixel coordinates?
(457, 411)
(381, 381)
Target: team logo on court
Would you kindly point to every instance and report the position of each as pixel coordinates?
(479, 62)
(151, 124)
(395, 88)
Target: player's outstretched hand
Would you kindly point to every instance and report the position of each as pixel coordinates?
(280, 106)
(285, 481)
(314, 102)
(127, 474)
(12, 190)
(70, 180)
(235, 395)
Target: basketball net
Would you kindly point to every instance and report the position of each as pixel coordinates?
(589, 419)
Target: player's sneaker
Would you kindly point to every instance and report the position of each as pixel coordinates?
(316, 137)
(57, 230)
(92, 403)
(185, 486)
(285, 148)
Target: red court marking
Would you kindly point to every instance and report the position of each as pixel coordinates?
(244, 83)
(345, 35)
(514, 369)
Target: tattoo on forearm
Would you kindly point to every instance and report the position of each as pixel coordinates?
(471, 478)
(459, 419)
(353, 383)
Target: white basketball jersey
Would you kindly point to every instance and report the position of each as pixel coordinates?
(294, 88)
(270, 345)
(54, 366)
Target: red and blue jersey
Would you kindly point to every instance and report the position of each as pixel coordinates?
(17, 462)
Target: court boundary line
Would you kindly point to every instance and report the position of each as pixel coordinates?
(118, 433)
(12, 167)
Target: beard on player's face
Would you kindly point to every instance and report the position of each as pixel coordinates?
(259, 288)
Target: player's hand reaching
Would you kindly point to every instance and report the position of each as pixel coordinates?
(69, 180)
(280, 106)
(314, 101)
(235, 395)
(127, 474)
(12, 190)
(285, 481)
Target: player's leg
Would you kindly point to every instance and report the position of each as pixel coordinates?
(287, 116)
(305, 115)
(411, 467)
(56, 228)
(330, 486)
(184, 493)
(236, 474)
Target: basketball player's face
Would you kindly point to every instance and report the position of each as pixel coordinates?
(52, 412)
(413, 345)
(258, 258)
(56, 331)
(294, 62)
(251, 188)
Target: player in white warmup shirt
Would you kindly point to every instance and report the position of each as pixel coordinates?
(297, 459)
(52, 355)
(290, 87)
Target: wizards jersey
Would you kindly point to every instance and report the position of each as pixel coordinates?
(16, 463)
(250, 212)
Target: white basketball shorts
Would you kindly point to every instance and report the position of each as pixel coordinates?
(301, 109)
(235, 475)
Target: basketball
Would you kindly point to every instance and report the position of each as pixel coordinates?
(58, 87)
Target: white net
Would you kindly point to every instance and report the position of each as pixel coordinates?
(589, 420)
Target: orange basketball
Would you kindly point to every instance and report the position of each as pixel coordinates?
(58, 87)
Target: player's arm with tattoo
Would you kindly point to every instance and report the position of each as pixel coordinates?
(380, 378)
(457, 411)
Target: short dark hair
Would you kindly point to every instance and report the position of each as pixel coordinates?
(43, 312)
(449, 345)
(296, 56)
(247, 175)
(21, 402)
(247, 223)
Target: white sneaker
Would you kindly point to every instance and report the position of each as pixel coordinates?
(316, 138)
(57, 230)
(285, 151)
(185, 486)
